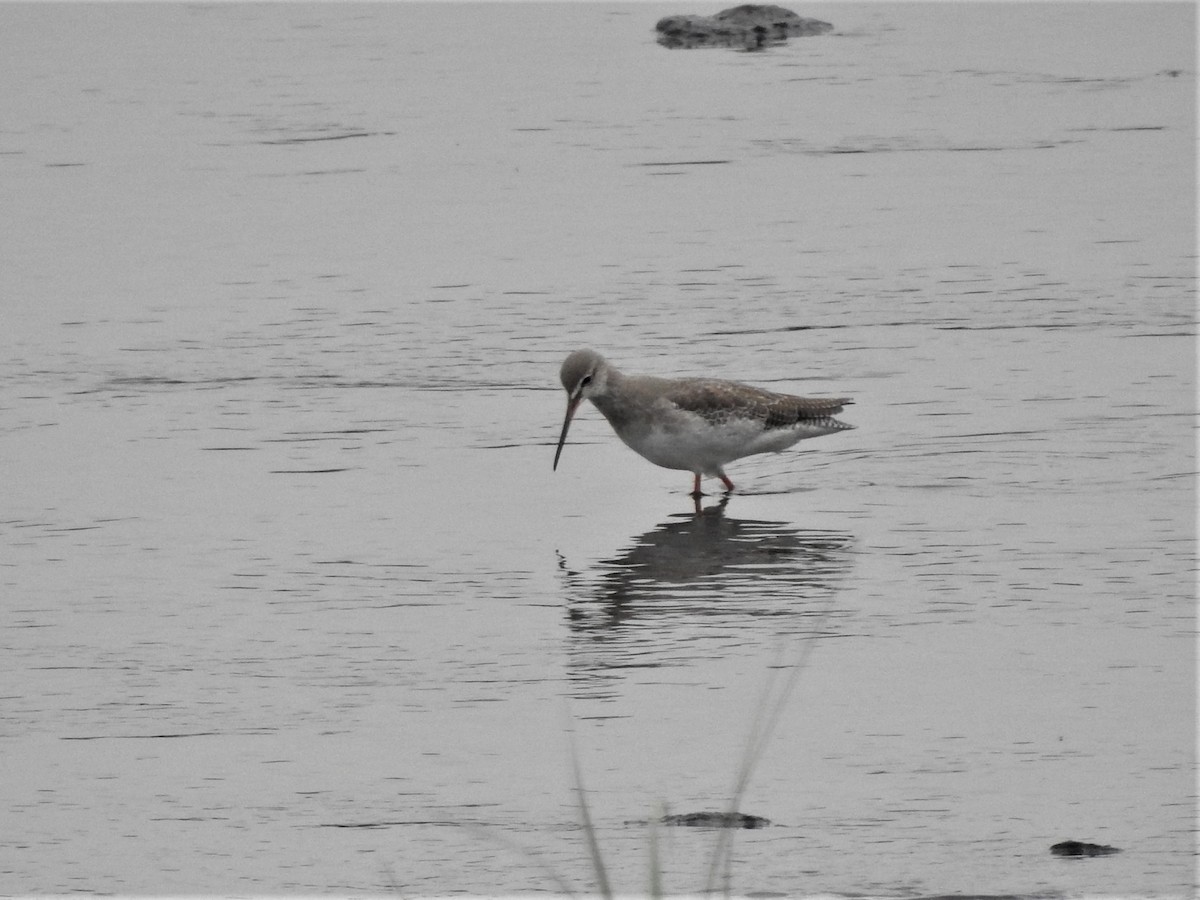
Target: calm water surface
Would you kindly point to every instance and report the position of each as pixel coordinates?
(292, 601)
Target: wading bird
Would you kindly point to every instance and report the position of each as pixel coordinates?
(694, 424)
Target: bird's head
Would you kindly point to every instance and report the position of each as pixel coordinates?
(584, 374)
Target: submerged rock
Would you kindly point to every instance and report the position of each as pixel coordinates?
(775, 17)
(1079, 848)
(716, 820)
(749, 27)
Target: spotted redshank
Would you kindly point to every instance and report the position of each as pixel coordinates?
(694, 424)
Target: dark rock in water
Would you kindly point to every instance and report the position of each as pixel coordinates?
(748, 27)
(776, 18)
(1079, 848)
(716, 820)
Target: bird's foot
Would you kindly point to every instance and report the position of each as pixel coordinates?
(697, 493)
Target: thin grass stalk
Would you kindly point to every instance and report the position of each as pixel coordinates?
(656, 888)
(585, 818)
(767, 714)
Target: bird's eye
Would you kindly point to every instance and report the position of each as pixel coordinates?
(586, 380)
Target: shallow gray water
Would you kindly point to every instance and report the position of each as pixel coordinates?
(292, 600)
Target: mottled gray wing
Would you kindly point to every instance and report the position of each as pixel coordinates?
(721, 401)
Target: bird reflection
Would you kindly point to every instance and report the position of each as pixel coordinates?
(701, 585)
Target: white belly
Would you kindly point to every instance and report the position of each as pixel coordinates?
(695, 445)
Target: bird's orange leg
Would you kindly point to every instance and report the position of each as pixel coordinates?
(696, 487)
(725, 480)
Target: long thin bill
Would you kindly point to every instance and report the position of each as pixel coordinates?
(572, 405)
